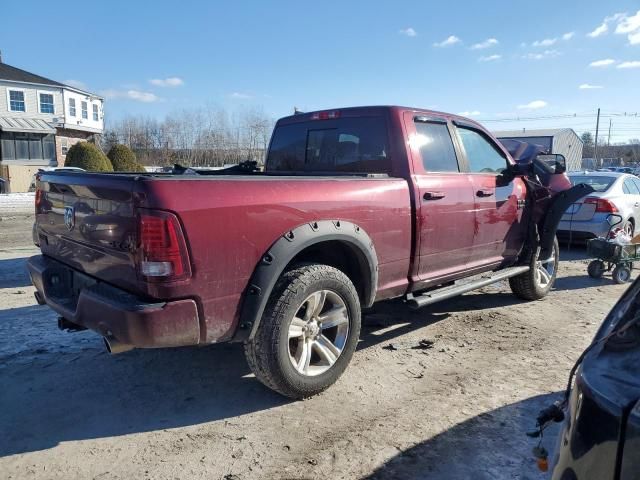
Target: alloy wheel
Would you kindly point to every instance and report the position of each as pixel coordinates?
(318, 333)
(545, 269)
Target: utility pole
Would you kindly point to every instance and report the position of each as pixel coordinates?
(595, 148)
(609, 138)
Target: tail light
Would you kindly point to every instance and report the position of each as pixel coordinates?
(38, 199)
(602, 205)
(326, 115)
(162, 249)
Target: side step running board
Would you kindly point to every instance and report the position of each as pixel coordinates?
(444, 293)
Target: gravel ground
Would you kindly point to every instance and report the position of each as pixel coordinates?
(457, 410)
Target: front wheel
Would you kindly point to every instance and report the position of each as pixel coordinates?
(621, 274)
(308, 332)
(537, 282)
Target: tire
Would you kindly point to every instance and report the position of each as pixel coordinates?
(629, 228)
(596, 269)
(282, 362)
(621, 274)
(532, 285)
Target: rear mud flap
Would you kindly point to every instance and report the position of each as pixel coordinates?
(559, 205)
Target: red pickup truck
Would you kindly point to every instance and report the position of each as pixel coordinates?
(354, 206)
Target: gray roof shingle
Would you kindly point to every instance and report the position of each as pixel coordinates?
(7, 72)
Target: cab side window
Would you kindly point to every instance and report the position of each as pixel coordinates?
(436, 147)
(482, 155)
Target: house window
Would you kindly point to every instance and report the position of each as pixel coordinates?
(72, 107)
(95, 113)
(27, 147)
(46, 103)
(16, 101)
(85, 110)
(64, 145)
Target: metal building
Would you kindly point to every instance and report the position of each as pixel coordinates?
(555, 140)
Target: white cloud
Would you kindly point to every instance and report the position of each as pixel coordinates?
(137, 95)
(542, 55)
(450, 40)
(632, 64)
(628, 24)
(490, 58)
(473, 113)
(76, 84)
(631, 27)
(409, 32)
(547, 42)
(568, 35)
(603, 28)
(167, 82)
(602, 63)
(240, 96)
(587, 86)
(488, 43)
(535, 105)
(600, 30)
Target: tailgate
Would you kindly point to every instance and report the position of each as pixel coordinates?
(88, 222)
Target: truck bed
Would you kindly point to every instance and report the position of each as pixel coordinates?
(229, 222)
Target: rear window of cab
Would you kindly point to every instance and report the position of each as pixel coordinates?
(346, 145)
(598, 183)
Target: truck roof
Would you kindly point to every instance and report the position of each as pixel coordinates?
(371, 110)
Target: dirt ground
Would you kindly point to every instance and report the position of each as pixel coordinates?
(458, 410)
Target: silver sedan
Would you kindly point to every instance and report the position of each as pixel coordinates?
(615, 192)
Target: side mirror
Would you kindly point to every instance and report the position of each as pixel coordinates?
(553, 162)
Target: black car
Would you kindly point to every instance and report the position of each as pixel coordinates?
(600, 436)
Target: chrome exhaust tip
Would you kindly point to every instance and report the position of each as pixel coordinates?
(114, 346)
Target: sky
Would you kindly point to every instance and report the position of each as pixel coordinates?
(500, 62)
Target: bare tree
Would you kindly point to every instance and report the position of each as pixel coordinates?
(207, 136)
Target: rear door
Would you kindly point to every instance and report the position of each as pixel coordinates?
(631, 189)
(445, 223)
(499, 232)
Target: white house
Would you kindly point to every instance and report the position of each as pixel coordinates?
(39, 120)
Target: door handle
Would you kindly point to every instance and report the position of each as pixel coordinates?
(433, 195)
(484, 193)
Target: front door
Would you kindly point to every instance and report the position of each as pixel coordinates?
(498, 202)
(445, 205)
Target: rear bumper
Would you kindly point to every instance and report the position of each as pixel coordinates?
(583, 229)
(110, 311)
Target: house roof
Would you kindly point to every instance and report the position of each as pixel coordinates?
(542, 132)
(14, 74)
(7, 72)
(25, 124)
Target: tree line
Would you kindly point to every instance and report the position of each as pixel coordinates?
(629, 152)
(202, 137)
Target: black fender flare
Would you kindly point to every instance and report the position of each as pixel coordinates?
(285, 249)
(554, 214)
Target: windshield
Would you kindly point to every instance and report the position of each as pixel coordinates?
(598, 183)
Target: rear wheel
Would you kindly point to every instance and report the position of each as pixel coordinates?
(537, 282)
(308, 332)
(596, 268)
